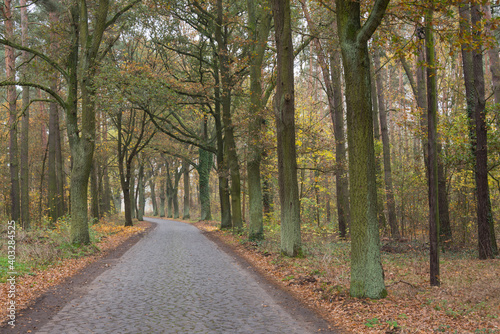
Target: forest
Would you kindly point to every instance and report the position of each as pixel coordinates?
(372, 123)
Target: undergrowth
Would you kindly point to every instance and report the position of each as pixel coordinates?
(45, 245)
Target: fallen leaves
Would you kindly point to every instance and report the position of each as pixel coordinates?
(411, 307)
(31, 286)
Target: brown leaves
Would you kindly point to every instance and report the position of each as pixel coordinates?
(411, 307)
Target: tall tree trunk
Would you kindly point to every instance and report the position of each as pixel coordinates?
(225, 201)
(267, 197)
(432, 150)
(94, 190)
(152, 187)
(484, 214)
(474, 87)
(170, 193)
(61, 206)
(389, 192)
(131, 178)
(204, 167)
(221, 34)
(10, 64)
(259, 35)
(186, 207)
(493, 55)
(107, 194)
(52, 180)
(24, 184)
(284, 106)
(142, 199)
(175, 201)
(162, 193)
(366, 268)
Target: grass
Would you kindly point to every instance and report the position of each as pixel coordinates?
(43, 246)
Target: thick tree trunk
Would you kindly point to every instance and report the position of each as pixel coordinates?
(152, 187)
(107, 194)
(481, 146)
(225, 201)
(204, 167)
(52, 180)
(267, 197)
(366, 268)
(259, 35)
(24, 184)
(493, 55)
(231, 158)
(175, 201)
(389, 192)
(94, 191)
(284, 105)
(474, 87)
(61, 205)
(186, 199)
(10, 64)
(432, 151)
(162, 195)
(142, 199)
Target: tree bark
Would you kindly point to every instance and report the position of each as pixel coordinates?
(221, 33)
(24, 184)
(52, 175)
(259, 34)
(366, 268)
(474, 87)
(204, 167)
(162, 193)
(142, 199)
(186, 206)
(432, 150)
(481, 146)
(10, 72)
(152, 187)
(284, 108)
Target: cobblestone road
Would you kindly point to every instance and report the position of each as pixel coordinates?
(174, 280)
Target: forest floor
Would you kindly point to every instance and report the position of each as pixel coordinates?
(45, 259)
(468, 300)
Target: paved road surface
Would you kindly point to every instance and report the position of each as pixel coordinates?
(175, 280)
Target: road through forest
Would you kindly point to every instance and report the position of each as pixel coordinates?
(175, 280)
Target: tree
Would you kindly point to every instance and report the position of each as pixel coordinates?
(10, 64)
(24, 149)
(432, 164)
(366, 268)
(474, 85)
(259, 25)
(186, 207)
(284, 110)
(87, 28)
